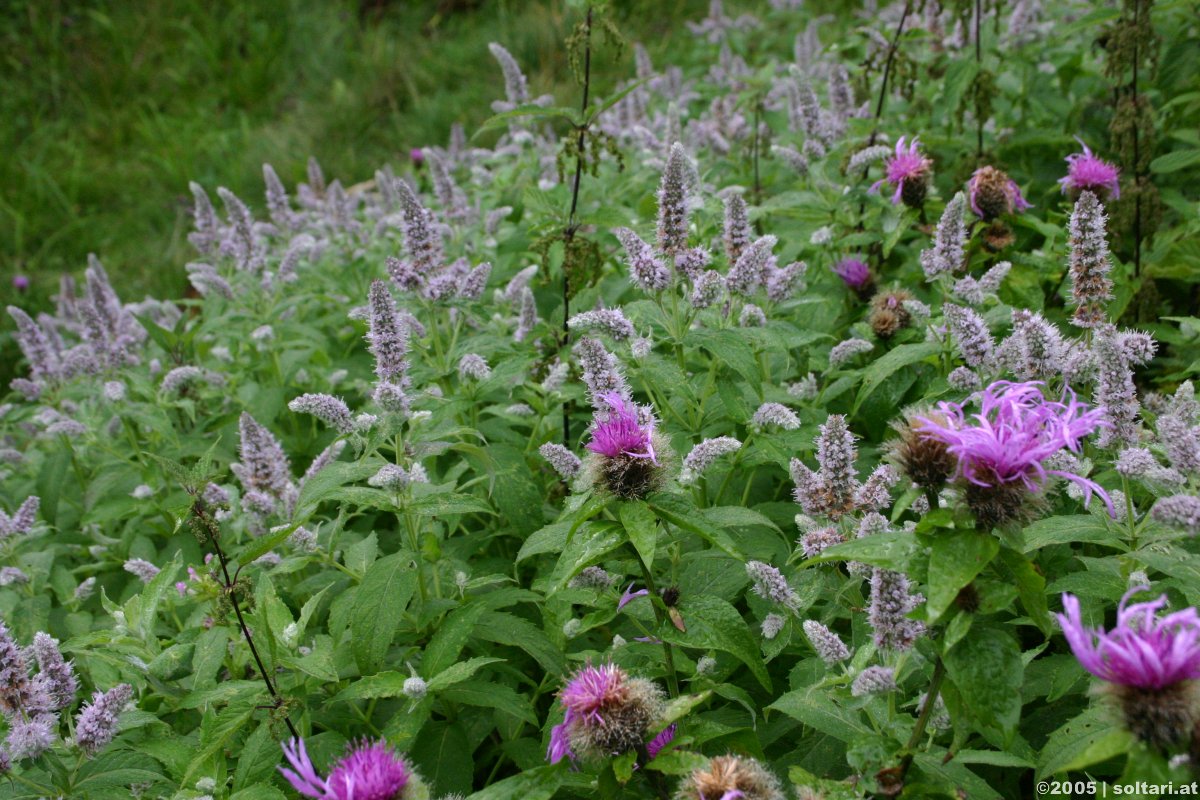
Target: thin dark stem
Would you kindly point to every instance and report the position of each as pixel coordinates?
(1137, 159)
(935, 687)
(887, 73)
(212, 533)
(572, 225)
(978, 67)
(668, 653)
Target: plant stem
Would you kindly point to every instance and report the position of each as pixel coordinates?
(887, 72)
(668, 653)
(935, 686)
(213, 532)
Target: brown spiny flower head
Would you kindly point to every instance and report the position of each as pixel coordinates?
(997, 237)
(730, 776)
(925, 460)
(994, 194)
(888, 314)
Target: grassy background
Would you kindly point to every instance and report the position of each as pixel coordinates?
(110, 107)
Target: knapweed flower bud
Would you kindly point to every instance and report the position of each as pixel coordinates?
(415, 688)
(96, 724)
(1150, 663)
(888, 313)
(729, 777)
(924, 459)
(994, 194)
(825, 642)
(607, 713)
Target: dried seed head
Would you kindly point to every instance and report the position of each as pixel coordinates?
(731, 776)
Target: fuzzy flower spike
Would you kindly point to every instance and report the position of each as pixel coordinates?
(1002, 451)
(369, 771)
(1150, 663)
(1088, 173)
(908, 170)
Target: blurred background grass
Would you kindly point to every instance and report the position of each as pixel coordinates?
(110, 108)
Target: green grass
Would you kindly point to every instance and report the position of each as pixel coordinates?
(110, 108)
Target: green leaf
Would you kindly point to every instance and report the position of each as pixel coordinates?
(714, 624)
(456, 673)
(1088, 739)
(507, 629)
(957, 557)
(816, 709)
(439, 505)
(680, 707)
(528, 110)
(892, 550)
(1075, 529)
(213, 739)
(1031, 587)
(443, 755)
(642, 528)
(680, 511)
(987, 670)
(1173, 162)
(591, 543)
(956, 776)
(257, 758)
(382, 684)
(492, 695)
(729, 347)
(379, 604)
(450, 638)
(539, 783)
(897, 358)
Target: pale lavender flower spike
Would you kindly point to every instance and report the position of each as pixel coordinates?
(96, 724)
(22, 520)
(331, 410)
(1144, 650)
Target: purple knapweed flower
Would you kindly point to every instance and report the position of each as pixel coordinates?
(1150, 663)
(369, 771)
(20, 283)
(854, 273)
(908, 171)
(664, 738)
(1001, 451)
(993, 193)
(622, 433)
(1088, 173)
(606, 713)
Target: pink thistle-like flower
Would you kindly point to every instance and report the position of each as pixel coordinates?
(1087, 172)
(369, 771)
(993, 193)
(1006, 445)
(853, 272)
(621, 433)
(1143, 650)
(664, 738)
(908, 171)
(606, 713)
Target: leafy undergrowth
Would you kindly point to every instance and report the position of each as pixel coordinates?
(779, 424)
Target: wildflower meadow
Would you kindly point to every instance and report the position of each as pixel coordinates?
(807, 412)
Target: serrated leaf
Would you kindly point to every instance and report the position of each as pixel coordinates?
(713, 623)
(1076, 529)
(682, 512)
(987, 670)
(450, 638)
(641, 526)
(892, 550)
(379, 604)
(456, 673)
(957, 558)
(817, 710)
(1088, 739)
(885, 366)
(492, 695)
